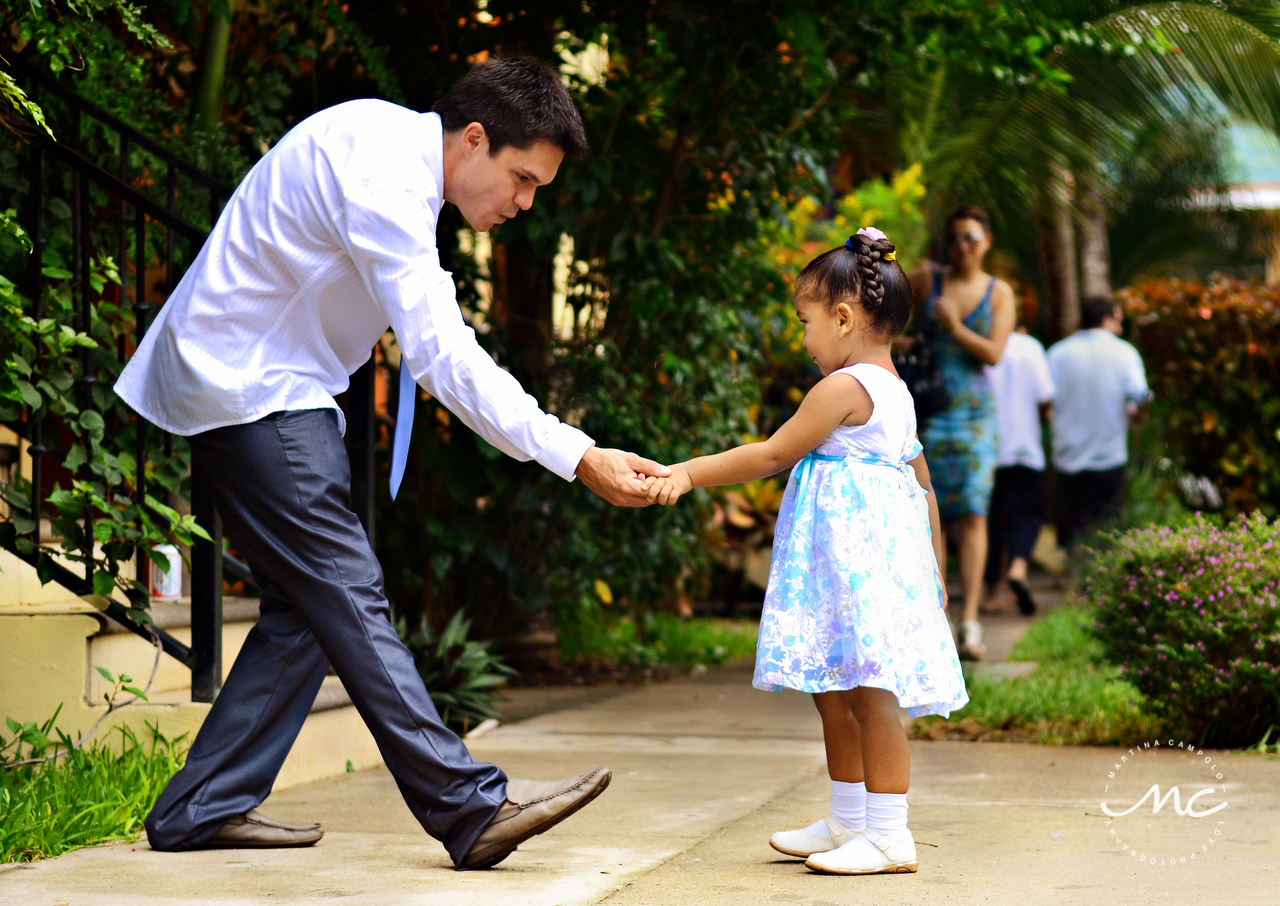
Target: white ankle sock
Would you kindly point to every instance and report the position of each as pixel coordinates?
(849, 803)
(887, 812)
(848, 806)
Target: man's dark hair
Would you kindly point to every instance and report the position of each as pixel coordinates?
(969, 212)
(519, 101)
(1095, 309)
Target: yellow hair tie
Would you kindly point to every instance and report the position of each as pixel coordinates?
(891, 256)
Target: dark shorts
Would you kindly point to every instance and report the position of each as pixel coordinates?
(1087, 498)
(1017, 512)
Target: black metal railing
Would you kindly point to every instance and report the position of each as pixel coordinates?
(136, 211)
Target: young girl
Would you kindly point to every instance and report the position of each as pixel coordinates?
(854, 613)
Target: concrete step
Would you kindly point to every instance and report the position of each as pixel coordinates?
(51, 641)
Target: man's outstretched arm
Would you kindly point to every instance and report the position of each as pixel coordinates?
(618, 476)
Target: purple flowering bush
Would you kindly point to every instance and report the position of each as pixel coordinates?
(1191, 616)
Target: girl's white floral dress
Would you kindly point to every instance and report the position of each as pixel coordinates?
(854, 598)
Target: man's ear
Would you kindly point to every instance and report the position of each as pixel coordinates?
(474, 139)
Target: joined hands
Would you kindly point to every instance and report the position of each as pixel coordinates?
(667, 491)
(618, 476)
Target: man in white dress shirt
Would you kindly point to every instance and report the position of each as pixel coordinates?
(328, 241)
(1101, 390)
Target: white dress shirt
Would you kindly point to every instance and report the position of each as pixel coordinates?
(1020, 382)
(327, 242)
(1097, 375)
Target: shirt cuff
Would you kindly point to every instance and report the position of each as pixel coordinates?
(564, 450)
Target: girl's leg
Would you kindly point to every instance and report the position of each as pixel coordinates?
(841, 735)
(844, 762)
(886, 845)
(886, 759)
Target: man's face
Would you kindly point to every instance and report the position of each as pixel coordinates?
(491, 190)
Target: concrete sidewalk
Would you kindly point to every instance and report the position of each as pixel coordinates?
(705, 769)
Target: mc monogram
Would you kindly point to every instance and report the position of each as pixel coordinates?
(1158, 802)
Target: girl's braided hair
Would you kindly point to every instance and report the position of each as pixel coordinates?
(864, 270)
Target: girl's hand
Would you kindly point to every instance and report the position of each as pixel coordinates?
(946, 314)
(667, 491)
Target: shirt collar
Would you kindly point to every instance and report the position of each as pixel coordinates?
(434, 152)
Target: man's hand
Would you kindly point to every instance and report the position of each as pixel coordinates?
(618, 476)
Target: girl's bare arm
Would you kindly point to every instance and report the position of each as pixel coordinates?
(837, 399)
(935, 520)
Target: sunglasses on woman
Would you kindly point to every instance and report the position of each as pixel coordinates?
(972, 238)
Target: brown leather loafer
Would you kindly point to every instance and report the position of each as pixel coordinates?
(254, 830)
(532, 807)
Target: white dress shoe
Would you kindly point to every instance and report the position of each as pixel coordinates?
(871, 853)
(802, 845)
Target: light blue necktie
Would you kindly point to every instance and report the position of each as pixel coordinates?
(404, 426)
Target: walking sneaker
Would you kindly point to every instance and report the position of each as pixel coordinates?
(970, 641)
(802, 844)
(871, 853)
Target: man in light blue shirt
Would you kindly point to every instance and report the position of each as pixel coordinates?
(1101, 390)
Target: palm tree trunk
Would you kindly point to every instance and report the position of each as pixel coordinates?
(206, 110)
(1095, 248)
(1057, 241)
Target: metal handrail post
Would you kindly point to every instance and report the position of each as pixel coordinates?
(206, 593)
(140, 328)
(35, 446)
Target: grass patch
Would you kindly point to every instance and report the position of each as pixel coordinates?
(89, 796)
(1073, 697)
(664, 640)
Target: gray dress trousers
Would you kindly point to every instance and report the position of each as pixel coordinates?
(283, 488)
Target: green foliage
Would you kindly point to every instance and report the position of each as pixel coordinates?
(663, 640)
(95, 522)
(1212, 354)
(1073, 697)
(119, 684)
(90, 796)
(460, 672)
(59, 37)
(1135, 109)
(12, 92)
(1191, 616)
(1152, 496)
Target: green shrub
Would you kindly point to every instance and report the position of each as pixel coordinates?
(460, 673)
(1190, 615)
(1213, 361)
(89, 796)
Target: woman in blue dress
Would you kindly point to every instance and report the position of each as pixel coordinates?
(975, 313)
